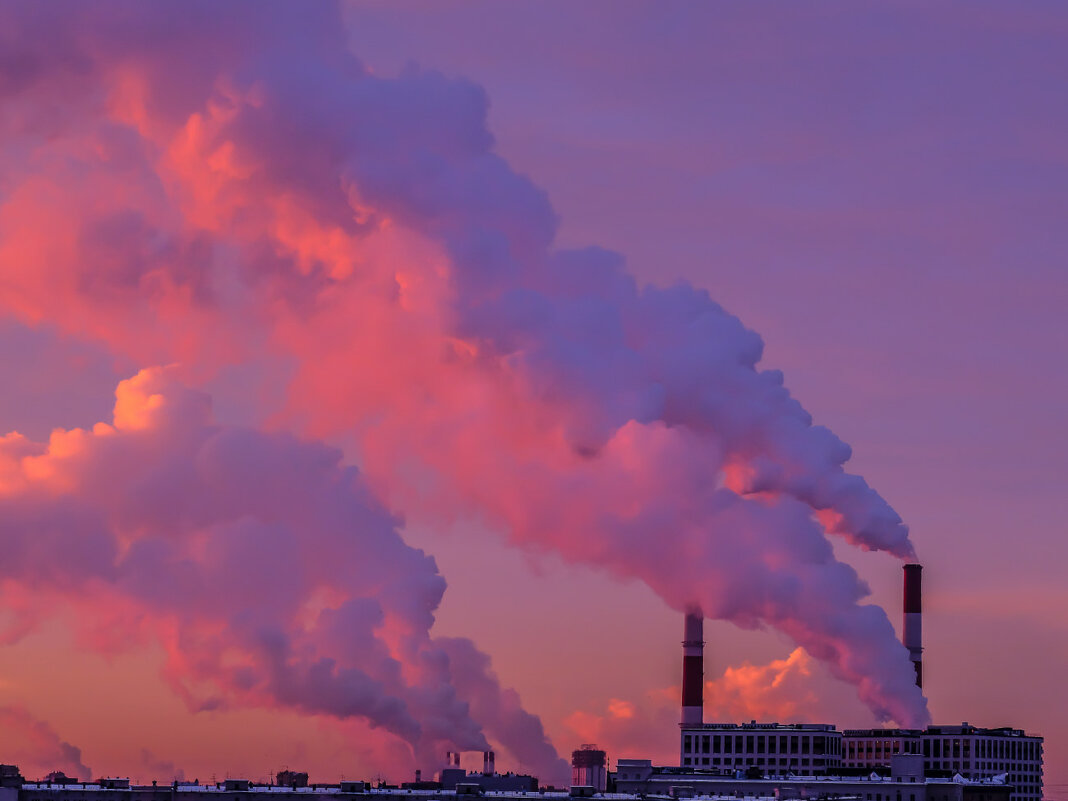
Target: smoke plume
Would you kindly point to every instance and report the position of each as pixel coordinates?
(227, 185)
(259, 561)
(36, 748)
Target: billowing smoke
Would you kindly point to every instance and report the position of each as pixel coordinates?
(262, 564)
(37, 748)
(227, 185)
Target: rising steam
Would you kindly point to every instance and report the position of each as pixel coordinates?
(225, 184)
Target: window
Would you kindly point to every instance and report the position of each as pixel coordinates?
(749, 744)
(715, 744)
(793, 744)
(705, 744)
(760, 744)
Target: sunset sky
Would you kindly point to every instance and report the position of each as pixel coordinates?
(388, 376)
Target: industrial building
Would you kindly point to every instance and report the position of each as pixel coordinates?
(906, 781)
(810, 748)
(971, 751)
(818, 758)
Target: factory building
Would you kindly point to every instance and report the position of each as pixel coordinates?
(970, 751)
(454, 777)
(906, 782)
(967, 752)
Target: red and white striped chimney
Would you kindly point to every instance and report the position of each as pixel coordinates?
(693, 669)
(912, 630)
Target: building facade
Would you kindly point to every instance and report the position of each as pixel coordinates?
(873, 748)
(970, 751)
(810, 748)
(906, 782)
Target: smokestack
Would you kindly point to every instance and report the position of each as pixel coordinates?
(912, 631)
(456, 759)
(487, 763)
(693, 669)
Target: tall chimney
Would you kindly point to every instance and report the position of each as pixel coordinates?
(487, 763)
(693, 669)
(912, 631)
(456, 758)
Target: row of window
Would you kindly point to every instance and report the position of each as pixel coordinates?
(727, 762)
(946, 748)
(760, 744)
(878, 748)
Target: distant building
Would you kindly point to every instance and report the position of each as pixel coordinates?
(589, 768)
(453, 777)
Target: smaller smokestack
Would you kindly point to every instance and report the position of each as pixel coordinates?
(418, 775)
(487, 763)
(693, 668)
(456, 758)
(912, 629)
(448, 759)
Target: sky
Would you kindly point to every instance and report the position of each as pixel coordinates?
(411, 467)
